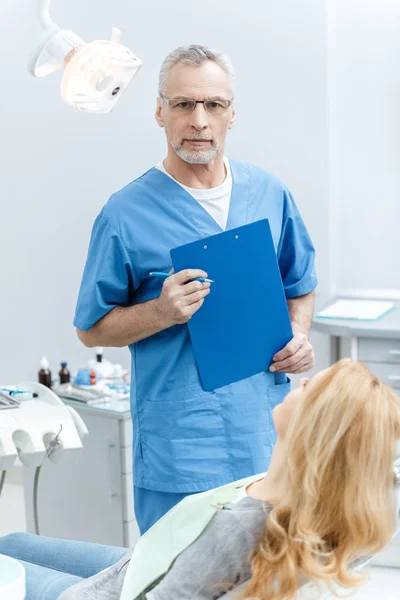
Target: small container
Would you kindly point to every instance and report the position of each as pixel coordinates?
(82, 377)
(118, 383)
(64, 374)
(104, 369)
(44, 375)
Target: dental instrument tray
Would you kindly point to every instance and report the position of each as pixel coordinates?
(6, 402)
(91, 395)
(79, 393)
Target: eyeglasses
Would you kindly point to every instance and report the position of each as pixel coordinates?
(214, 107)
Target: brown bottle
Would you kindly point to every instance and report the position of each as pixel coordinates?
(44, 375)
(64, 374)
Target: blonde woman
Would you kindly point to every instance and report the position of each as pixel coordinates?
(326, 501)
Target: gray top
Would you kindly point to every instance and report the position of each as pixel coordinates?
(212, 564)
(387, 326)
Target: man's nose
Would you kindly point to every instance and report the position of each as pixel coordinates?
(199, 117)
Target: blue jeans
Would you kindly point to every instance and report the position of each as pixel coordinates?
(53, 565)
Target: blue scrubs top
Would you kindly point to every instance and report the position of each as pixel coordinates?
(186, 439)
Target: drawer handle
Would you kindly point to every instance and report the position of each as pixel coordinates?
(394, 352)
(394, 377)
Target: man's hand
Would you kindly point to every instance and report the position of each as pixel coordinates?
(296, 357)
(179, 299)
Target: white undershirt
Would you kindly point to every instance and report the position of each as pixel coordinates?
(215, 200)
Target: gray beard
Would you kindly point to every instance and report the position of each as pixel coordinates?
(196, 157)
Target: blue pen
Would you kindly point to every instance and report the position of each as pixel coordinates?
(165, 275)
(17, 392)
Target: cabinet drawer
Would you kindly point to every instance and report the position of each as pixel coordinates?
(379, 350)
(390, 374)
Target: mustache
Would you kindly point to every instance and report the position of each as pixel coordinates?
(197, 137)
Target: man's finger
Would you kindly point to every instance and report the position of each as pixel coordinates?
(303, 354)
(194, 286)
(303, 368)
(197, 296)
(195, 306)
(291, 348)
(188, 274)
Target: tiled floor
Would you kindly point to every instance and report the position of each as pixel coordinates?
(384, 584)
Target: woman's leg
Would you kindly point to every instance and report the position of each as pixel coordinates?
(82, 559)
(46, 584)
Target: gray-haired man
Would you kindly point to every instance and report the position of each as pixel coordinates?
(187, 440)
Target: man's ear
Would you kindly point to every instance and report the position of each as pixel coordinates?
(159, 115)
(232, 120)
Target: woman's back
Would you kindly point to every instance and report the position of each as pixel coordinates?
(216, 561)
(220, 558)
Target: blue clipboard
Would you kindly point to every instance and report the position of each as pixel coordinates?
(244, 321)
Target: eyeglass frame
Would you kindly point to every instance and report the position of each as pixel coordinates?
(168, 101)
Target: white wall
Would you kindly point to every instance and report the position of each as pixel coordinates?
(365, 143)
(58, 167)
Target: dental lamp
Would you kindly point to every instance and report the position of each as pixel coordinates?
(95, 74)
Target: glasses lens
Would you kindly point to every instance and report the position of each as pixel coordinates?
(183, 105)
(213, 107)
(216, 107)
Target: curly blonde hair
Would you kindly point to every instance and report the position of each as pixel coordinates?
(337, 501)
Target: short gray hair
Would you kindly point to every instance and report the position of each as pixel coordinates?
(193, 55)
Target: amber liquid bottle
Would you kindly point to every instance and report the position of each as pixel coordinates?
(64, 374)
(44, 375)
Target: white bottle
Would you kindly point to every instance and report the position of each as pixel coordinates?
(104, 368)
(118, 382)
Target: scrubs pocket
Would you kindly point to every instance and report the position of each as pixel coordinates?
(162, 363)
(182, 441)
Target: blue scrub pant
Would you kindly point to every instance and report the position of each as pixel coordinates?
(52, 566)
(151, 505)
